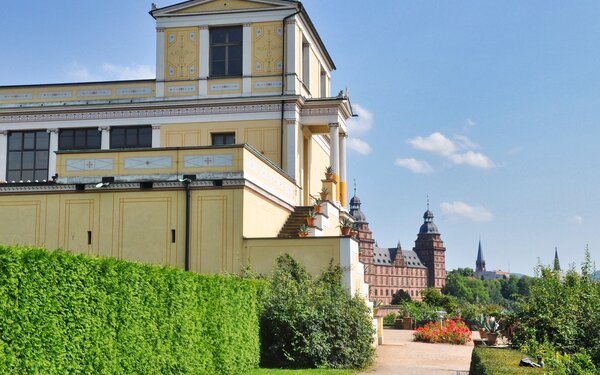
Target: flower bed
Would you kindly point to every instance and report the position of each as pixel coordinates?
(452, 332)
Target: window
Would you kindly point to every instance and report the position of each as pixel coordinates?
(79, 139)
(131, 137)
(223, 139)
(28, 156)
(226, 51)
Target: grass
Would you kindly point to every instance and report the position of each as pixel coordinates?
(268, 371)
(490, 361)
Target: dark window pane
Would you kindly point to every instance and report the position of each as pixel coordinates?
(234, 35)
(13, 176)
(223, 139)
(217, 35)
(218, 68)
(42, 140)
(14, 160)
(41, 175)
(28, 141)
(65, 140)
(235, 67)
(117, 138)
(41, 159)
(131, 137)
(15, 141)
(94, 139)
(28, 157)
(235, 53)
(145, 137)
(218, 53)
(27, 175)
(79, 143)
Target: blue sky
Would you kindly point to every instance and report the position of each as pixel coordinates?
(490, 108)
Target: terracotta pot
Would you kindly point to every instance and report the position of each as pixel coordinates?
(317, 208)
(407, 323)
(482, 334)
(302, 234)
(346, 231)
(324, 196)
(310, 221)
(329, 176)
(491, 338)
(354, 234)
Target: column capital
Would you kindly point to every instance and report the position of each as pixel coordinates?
(247, 25)
(3, 132)
(334, 124)
(156, 127)
(291, 122)
(343, 135)
(203, 27)
(160, 29)
(53, 130)
(290, 21)
(104, 128)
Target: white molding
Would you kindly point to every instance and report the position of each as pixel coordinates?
(160, 54)
(247, 59)
(52, 152)
(3, 154)
(223, 19)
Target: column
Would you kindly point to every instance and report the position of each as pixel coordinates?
(160, 62)
(104, 137)
(291, 131)
(3, 153)
(52, 152)
(334, 154)
(247, 60)
(204, 61)
(290, 61)
(342, 185)
(156, 136)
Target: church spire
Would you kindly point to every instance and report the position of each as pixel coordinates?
(480, 263)
(556, 261)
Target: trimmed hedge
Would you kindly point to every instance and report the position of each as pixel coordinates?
(61, 313)
(493, 361)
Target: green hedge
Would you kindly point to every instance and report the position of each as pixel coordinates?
(61, 313)
(493, 361)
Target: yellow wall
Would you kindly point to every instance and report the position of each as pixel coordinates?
(262, 218)
(224, 5)
(262, 135)
(267, 48)
(181, 53)
(315, 75)
(314, 253)
(319, 160)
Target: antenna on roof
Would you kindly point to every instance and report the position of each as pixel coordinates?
(355, 187)
(427, 201)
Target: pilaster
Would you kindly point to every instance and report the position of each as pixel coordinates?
(290, 64)
(52, 152)
(104, 137)
(247, 60)
(160, 62)
(334, 155)
(291, 149)
(203, 70)
(342, 186)
(3, 153)
(156, 136)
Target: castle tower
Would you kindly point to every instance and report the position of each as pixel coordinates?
(431, 251)
(480, 262)
(365, 236)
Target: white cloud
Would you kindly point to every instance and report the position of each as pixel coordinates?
(575, 219)
(78, 72)
(417, 166)
(439, 144)
(362, 123)
(464, 210)
(470, 123)
(474, 159)
(436, 143)
(359, 146)
(130, 72)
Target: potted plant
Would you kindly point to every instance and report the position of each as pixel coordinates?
(317, 205)
(303, 230)
(324, 192)
(311, 217)
(329, 171)
(492, 330)
(481, 326)
(345, 226)
(354, 230)
(376, 306)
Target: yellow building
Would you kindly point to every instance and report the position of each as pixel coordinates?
(199, 168)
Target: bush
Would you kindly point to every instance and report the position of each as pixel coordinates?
(451, 332)
(61, 313)
(561, 364)
(390, 319)
(313, 322)
(400, 296)
(489, 361)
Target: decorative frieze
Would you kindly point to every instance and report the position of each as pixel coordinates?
(16, 96)
(151, 162)
(181, 89)
(94, 93)
(267, 84)
(202, 161)
(74, 165)
(225, 86)
(55, 94)
(134, 91)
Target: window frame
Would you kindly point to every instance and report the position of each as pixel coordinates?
(227, 44)
(125, 135)
(75, 131)
(222, 134)
(10, 150)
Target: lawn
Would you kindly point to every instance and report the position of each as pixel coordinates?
(268, 371)
(492, 361)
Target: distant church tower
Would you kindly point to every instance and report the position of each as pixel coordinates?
(556, 261)
(480, 263)
(431, 251)
(365, 236)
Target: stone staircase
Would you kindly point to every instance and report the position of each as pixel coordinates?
(296, 218)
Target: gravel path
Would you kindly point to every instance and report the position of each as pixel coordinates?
(400, 355)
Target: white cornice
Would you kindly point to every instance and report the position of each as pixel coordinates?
(223, 19)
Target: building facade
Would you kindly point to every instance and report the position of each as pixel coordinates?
(388, 270)
(199, 168)
(482, 273)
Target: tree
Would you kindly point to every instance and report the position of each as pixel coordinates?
(433, 297)
(400, 296)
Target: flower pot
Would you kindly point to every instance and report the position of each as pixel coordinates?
(302, 234)
(482, 334)
(346, 231)
(310, 221)
(324, 196)
(354, 234)
(329, 176)
(492, 338)
(317, 208)
(407, 323)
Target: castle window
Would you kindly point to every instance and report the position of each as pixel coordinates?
(79, 139)
(223, 139)
(28, 156)
(226, 51)
(130, 137)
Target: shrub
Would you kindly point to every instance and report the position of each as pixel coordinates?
(313, 322)
(400, 296)
(451, 332)
(61, 313)
(390, 319)
(489, 361)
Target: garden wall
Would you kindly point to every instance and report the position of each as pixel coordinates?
(61, 313)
